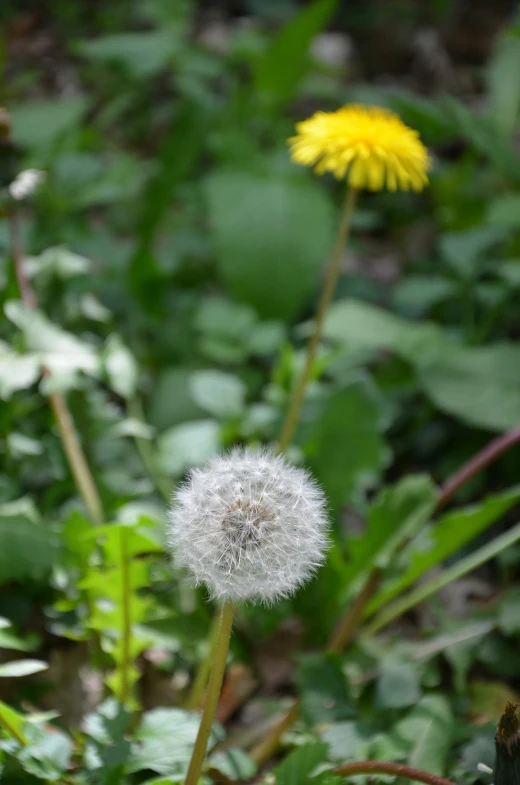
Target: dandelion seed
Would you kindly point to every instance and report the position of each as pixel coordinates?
(372, 146)
(249, 525)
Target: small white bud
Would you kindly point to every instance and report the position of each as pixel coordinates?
(249, 525)
(26, 183)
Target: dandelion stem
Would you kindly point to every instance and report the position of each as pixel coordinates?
(201, 677)
(386, 767)
(69, 436)
(212, 695)
(327, 293)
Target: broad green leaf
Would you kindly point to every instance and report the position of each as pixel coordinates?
(121, 367)
(508, 612)
(164, 742)
(143, 54)
(189, 444)
(61, 352)
(272, 236)
(299, 764)
(48, 754)
(57, 261)
(39, 123)
(218, 393)
(18, 668)
(324, 689)
(396, 515)
(438, 541)
(479, 385)
(429, 728)
(463, 250)
(505, 210)
(346, 740)
(278, 72)
(344, 443)
(502, 83)
(233, 763)
(27, 549)
(171, 400)
(17, 371)
(12, 722)
(398, 684)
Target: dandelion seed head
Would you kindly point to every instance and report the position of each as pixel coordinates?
(249, 525)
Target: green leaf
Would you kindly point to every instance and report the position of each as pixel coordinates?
(441, 540)
(272, 236)
(12, 722)
(398, 684)
(143, 54)
(505, 211)
(121, 367)
(508, 615)
(48, 754)
(324, 689)
(278, 72)
(21, 668)
(61, 352)
(395, 516)
(164, 742)
(346, 740)
(502, 84)
(429, 728)
(298, 766)
(462, 250)
(480, 386)
(39, 123)
(344, 444)
(17, 371)
(189, 444)
(218, 393)
(233, 763)
(27, 549)
(171, 400)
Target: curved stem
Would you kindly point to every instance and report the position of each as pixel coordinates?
(386, 767)
(348, 624)
(478, 463)
(212, 695)
(331, 278)
(69, 436)
(268, 746)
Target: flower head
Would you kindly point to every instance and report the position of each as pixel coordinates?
(249, 525)
(372, 145)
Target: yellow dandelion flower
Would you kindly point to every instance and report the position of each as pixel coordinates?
(370, 145)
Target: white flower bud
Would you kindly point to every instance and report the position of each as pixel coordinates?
(249, 525)
(26, 183)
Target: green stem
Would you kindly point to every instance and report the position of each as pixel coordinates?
(469, 563)
(201, 677)
(126, 626)
(162, 484)
(331, 278)
(387, 767)
(69, 436)
(212, 695)
(9, 727)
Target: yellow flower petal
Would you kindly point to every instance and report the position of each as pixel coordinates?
(369, 145)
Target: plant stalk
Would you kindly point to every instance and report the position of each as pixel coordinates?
(69, 436)
(331, 277)
(126, 622)
(162, 483)
(201, 677)
(213, 693)
(387, 767)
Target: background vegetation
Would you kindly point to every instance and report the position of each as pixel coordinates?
(175, 254)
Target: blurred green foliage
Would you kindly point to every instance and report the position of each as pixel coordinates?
(176, 255)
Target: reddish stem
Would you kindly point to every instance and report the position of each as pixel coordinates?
(478, 463)
(385, 767)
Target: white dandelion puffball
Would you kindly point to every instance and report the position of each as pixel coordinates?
(249, 525)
